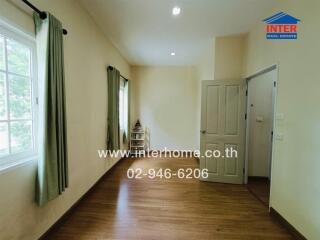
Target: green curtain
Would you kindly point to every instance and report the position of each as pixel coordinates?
(113, 134)
(52, 177)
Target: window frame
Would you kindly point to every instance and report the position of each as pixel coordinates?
(9, 30)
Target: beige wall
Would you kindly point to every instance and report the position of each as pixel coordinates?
(204, 71)
(205, 66)
(87, 53)
(295, 190)
(229, 53)
(166, 103)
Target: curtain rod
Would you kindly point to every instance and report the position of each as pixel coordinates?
(42, 14)
(111, 68)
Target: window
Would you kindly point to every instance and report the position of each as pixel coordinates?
(17, 94)
(123, 105)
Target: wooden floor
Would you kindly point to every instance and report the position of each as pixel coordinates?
(120, 208)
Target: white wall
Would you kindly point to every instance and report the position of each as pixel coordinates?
(205, 66)
(295, 188)
(87, 53)
(166, 103)
(229, 53)
(204, 71)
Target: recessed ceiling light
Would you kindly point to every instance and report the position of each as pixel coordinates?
(173, 54)
(176, 11)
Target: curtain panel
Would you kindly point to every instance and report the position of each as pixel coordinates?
(113, 129)
(52, 175)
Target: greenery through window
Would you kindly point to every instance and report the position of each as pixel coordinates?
(16, 110)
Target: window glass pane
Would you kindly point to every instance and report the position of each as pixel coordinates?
(18, 58)
(19, 97)
(125, 108)
(21, 136)
(4, 143)
(3, 99)
(121, 108)
(2, 63)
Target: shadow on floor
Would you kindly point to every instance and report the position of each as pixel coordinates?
(260, 188)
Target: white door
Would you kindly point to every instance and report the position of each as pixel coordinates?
(223, 127)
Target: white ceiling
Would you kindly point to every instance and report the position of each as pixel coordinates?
(146, 32)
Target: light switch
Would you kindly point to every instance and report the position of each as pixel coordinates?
(259, 119)
(279, 136)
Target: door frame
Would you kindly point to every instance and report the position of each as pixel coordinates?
(274, 104)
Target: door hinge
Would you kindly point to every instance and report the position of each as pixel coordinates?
(274, 83)
(247, 92)
(37, 100)
(245, 116)
(243, 170)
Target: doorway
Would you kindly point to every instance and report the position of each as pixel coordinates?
(260, 115)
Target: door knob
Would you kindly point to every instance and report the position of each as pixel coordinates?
(203, 131)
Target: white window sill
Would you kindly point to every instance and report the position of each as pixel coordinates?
(17, 164)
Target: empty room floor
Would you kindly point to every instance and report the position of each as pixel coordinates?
(122, 208)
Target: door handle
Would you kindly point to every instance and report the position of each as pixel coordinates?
(203, 131)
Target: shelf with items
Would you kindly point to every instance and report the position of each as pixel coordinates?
(137, 143)
(137, 139)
